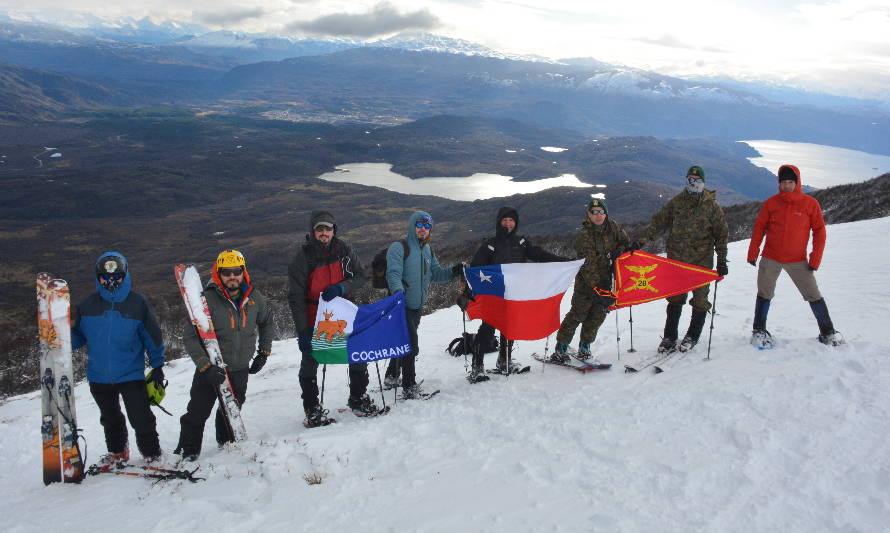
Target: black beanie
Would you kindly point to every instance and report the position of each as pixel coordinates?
(787, 173)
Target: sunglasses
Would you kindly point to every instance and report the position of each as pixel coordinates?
(228, 272)
(117, 276)
(597, 212)
(694, 179)
(423, 224)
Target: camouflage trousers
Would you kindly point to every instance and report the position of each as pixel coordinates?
(699, 299)
(585, 312)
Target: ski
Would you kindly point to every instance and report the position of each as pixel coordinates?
(597, 365)
(647, 362)
(378, 412)
(669, 362)
(62, 460)
(192, 290)
(515, 370)
(148, 472)
(580, 367)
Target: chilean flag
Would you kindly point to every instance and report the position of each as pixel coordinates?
(520, 299)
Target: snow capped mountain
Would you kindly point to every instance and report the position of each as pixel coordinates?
(429, 42)
(626, 81)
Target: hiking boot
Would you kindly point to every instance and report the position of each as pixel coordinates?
(391, 382)
(316, 417)
(159, 460)
(412, 392)
(362, 406)
(561, 354)
(831, 339)
(110, 461)
(667, 345)
(761, 339)
(477, 375)
(584, 353)
(687, 344)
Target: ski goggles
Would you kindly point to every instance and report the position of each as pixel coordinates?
(116, 276)
(228, 272)
(421, 223)
(597, 211)
(693, 180)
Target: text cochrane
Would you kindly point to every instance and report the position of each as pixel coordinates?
(383, 353)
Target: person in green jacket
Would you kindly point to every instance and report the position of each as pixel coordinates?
(599, 242)
(240, 315)
(696, 229)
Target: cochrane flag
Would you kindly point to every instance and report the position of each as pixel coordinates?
(642, 277)
(345, 333)
(520, 299)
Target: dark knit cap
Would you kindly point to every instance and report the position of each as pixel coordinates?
(696, 171)
(320, 217)
(787, 173)
(598, 203)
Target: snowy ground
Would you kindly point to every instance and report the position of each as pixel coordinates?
(790, 440)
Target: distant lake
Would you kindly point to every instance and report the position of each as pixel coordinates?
(820, 166)
(475, 187)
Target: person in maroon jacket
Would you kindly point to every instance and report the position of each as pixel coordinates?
(787, 219)
(325, 267)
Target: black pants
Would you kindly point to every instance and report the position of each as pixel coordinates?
(405, 364)
(138, 411)
(485, 337)
(202, 397)
(358, 374)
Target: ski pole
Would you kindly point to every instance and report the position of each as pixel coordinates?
(631, 311)
(617, 336)
(324, 370)
(379, 382)
(509, 351)
(713, 312)
(463, 317)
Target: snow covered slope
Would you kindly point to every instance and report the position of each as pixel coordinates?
(790, 440)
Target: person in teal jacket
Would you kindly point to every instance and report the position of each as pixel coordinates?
(412, 273)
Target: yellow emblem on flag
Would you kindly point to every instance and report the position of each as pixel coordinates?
(642, 282)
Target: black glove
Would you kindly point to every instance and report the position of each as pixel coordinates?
(332, 292)
(214, 375)
(722, 268)
(464, 299)
(157, 376)
(634, 246)
(811, 267)
(457, 270)
(752, 263)
(259, 361)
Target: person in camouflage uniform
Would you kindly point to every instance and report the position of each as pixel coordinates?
(599, 242)
(696, 228)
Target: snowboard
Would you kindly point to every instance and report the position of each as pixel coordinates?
(576, 365)
(192, 290)
(62, 460)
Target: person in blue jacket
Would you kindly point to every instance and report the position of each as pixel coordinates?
(412, 273)
(119, 328)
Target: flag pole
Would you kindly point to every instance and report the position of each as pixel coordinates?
(713, 312)
(324, 370)
(631, 311)
(617, 336)
(380, 383)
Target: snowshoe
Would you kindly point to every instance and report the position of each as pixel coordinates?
(477, 375)
(391, 382)
(761, 339)
(515, 368)
(687, 344)
(110, 461)
(831, 339)
(667, 346)
(317, 417)
(414, 392)
(363, 406)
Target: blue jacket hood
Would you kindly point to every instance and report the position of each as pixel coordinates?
(121, 293)
(412, 235)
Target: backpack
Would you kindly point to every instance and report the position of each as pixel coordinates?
(466, 343)
(378, 266)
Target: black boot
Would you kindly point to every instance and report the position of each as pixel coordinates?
(694, 332)
(309, 386)
(761, 309)
(827, 334)
(671, 325)
(477, 372)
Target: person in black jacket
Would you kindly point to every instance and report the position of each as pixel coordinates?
(505, 247)
(326, 266)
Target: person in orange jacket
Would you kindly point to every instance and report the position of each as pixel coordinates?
(787, 219)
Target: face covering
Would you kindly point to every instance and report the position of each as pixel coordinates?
(695, 185)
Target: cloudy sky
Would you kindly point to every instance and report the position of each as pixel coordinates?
(839, 46)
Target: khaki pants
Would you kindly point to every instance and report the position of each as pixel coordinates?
(804, 278)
